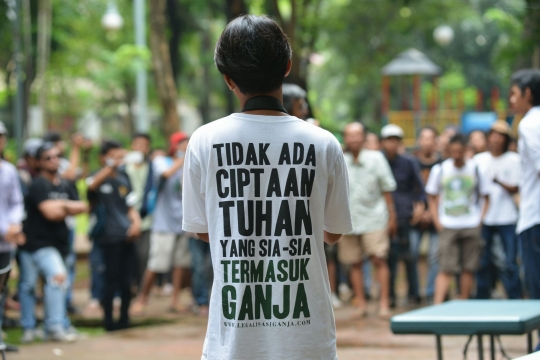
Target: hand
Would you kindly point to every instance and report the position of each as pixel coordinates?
(134, 231)
(77, 140)
(14, 234)
(418, 212)
(438, 226)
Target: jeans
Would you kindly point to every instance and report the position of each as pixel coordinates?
(433, 263)
(200, 266)
(97, 271)
(71, 261)
(119, 259)
(400, 250)
(510, 270)
(530, 241)
(530, 247)
(48, 262)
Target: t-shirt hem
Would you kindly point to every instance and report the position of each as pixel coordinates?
(195, 228)
(338, 229)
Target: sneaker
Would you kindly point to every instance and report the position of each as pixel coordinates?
(336, 303)
(73, 331)
(61, 336)
(28, 336)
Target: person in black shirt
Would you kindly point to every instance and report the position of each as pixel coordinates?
(49, 201)
(109, 193)
(427, 156)
(409, 200)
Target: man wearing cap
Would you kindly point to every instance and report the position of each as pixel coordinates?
(169, 245)
(373, 216)
(49, 201)
(502, 168)
(409, 200)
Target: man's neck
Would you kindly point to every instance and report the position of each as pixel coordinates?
(275, 94)
(356, 154)
(496, 152)
(51, 176)
(459, 163)
(391, 156)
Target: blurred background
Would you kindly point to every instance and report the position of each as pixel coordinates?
(120, 66)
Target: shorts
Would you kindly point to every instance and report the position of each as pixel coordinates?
(352, 248)
(168, 251)
(460, 250)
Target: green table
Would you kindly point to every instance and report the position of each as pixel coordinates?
(472, 317)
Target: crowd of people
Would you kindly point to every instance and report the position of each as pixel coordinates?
(460, 193)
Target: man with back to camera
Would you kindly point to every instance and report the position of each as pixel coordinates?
(502, 168)
(454, 190)
(265, 189)
(525, 100)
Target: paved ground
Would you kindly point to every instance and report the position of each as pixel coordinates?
(369, 338)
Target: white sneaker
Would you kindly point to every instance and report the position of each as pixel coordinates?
(62, 336)
(336, 303)
(345, 291)
(167, 290)
(28, 336)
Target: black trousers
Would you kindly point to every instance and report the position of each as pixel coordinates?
(119, 259)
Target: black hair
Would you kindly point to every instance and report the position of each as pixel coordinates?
(142, 135)
(428, 128)
(109, 145)
(458, 139)
(528, 78)
(291, 92)
(254, 52)
(47, 145)
(52, 136)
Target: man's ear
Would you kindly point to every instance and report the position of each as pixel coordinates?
(230, 83)
(289, 66)
(527, 95)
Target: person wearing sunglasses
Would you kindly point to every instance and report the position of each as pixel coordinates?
(49, 201)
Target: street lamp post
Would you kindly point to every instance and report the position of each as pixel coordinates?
(112, 20)
(14, 14)
(141, 85)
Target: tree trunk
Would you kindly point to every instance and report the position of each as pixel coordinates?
(43, 51)
(165, 84)
(29, 68)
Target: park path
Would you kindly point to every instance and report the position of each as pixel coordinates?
(364, 339)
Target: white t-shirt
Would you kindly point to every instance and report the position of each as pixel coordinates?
(265, 188)
(458, 190)
(506, 168)
(529, 149)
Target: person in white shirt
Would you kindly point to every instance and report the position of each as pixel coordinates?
(502, 168)
(454, 190)
(266, 190)
(525, 100)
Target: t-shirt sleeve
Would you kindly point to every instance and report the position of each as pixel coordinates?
(433, 186)
(194, 193)
(514, 176)
(386, 178)
(531, 141)
(337, 215)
